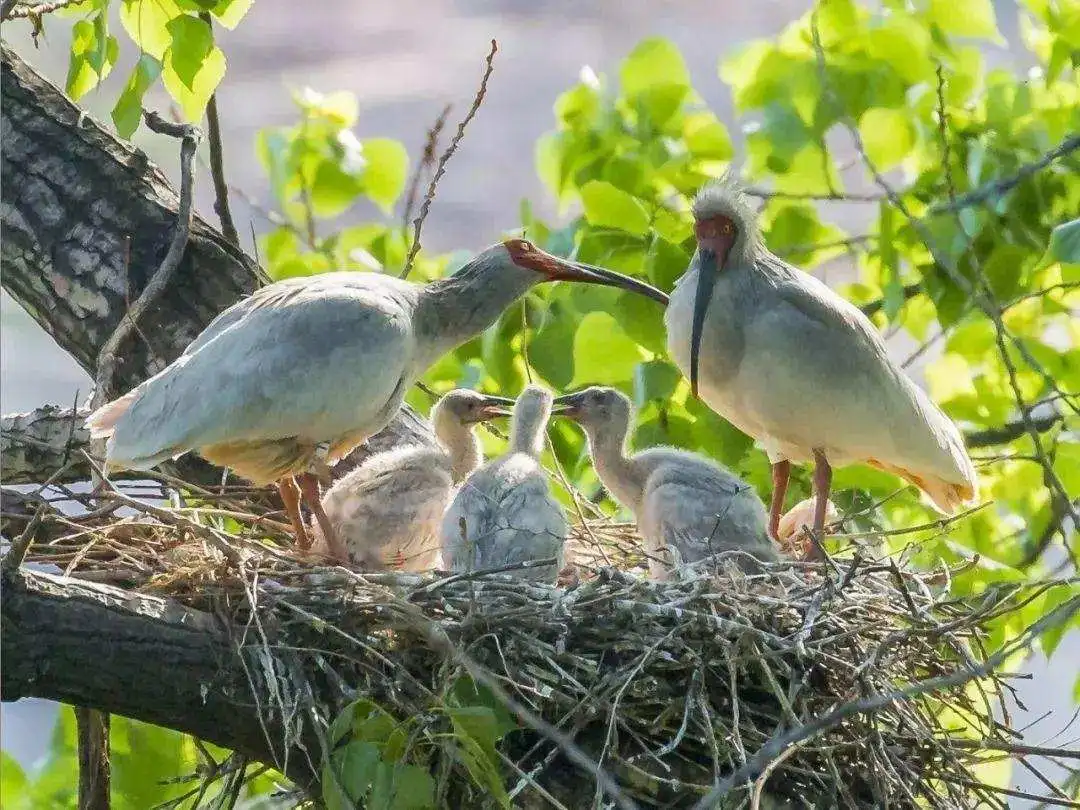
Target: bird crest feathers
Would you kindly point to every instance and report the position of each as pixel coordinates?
(725, 197)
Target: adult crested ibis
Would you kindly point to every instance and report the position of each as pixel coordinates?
(296, 375)
(388, 511)
(504, 512)
(687, 507)
(794, 365)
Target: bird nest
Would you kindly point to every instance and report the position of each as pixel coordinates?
(855, 684)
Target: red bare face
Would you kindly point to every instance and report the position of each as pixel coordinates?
(716, 234)
(525, 254)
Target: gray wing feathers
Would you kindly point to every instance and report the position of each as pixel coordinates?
(317, 361)
(504, 514)
(700, 510)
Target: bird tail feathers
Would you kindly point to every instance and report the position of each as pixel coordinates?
(102, 422)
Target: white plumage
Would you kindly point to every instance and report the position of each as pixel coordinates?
(388, 511)
(504, 512)
(791, 363)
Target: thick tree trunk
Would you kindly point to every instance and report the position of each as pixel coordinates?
(86, 221)
(51, 627)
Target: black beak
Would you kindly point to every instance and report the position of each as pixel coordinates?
(493, 407)
(569, 404)
(708, 269)
(591, 274)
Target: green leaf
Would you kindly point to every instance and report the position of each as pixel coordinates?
(193, 65)
(146, 22)
(191, 42)
(654, 76)
(127, 113)
(386, 171)
(1067, 465)
(551, 350)
(13, 781)
(333, 190)
(402, 787)
(706, 137)
(603, 354)
(606, 205)
(655, 61)
(654, 380)
(355, 767)
(467, 692)
(965, 18)
(949, 377)
(93, 54)
(1004, 269)
(230, 12)
(887, 135)
(1065, 242)
(476, 731)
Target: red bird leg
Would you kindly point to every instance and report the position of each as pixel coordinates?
(290, 496)
(309, 488)
(822, 484)
(781, 470)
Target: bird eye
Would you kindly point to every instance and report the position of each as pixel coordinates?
(726, 228)
(524, 246)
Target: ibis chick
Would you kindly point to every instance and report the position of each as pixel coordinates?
(293, 377)
(388, 511)
(792, 364)
(504, 513)
(688, 508)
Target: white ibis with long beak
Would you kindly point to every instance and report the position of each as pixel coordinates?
(504, 513)
(795, 366)
(688, 507)
(299, 373)
(388, 511)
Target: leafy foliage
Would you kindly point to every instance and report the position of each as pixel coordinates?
(382, 762)
(625, 154)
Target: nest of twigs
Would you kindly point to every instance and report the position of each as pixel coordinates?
(854, 684)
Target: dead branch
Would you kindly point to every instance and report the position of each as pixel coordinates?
(440, 169)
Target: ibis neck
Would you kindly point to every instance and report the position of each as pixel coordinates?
(527, 433)
(616, 470)
(456, 309)
(462, 447)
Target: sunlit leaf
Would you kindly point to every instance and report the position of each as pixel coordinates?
(386, 171)
(887, 135)
(1065, 242)
(967, 18)
(230, 12)
(127, 113)
(603, 354)
(655, 76)
(609, 206)
(147, 21)
(93, 54)
(193, 65)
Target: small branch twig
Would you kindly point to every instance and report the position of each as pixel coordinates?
(217, 164)
(9, 11)
(427, 160)
(107, 358)
(1006, 184)
(440, 168)
(1009, 431)
(6, 9)
(832, 196)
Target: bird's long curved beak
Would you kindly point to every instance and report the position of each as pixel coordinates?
(558, 269)
(709, 264)
(569, 404)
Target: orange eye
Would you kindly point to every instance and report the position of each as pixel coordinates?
(524, 246)
(726, 228)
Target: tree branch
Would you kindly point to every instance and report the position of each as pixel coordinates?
(51, 626)
(217, 160)
(87, 220)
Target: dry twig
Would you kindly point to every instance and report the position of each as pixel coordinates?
(440, 169)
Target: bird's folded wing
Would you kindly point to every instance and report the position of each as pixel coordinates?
(305, 365)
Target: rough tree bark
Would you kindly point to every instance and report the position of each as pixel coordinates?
(86, 220)
(53, 626)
